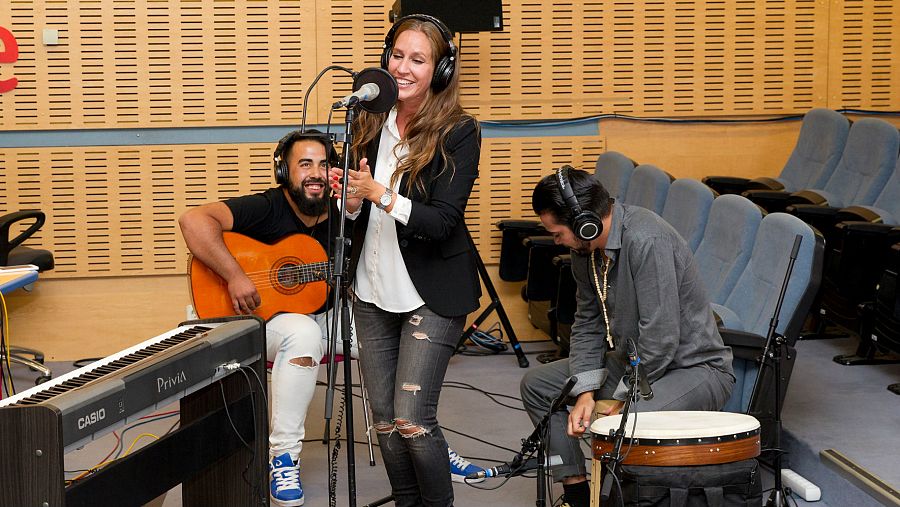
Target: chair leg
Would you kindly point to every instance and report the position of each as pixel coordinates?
(365, 400)
(37, 354)
(45, 373)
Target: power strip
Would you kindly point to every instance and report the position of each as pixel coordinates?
(798, 484)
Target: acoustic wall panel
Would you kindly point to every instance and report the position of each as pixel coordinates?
(865, 43)
(152, 63)
(130, 63)
(114, 211)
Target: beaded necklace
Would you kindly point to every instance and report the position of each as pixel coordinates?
(602, 293)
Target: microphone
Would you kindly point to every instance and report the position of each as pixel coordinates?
(510, 469)
(374, 90)
(366, 92)
(643, 382)
(563, 393)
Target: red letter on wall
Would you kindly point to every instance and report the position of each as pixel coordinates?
(9, 54)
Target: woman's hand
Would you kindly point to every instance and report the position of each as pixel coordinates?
(360, 185)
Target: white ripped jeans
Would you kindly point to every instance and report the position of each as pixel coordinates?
(295, 336)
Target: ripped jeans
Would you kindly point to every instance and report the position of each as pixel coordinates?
(404, 358)
(295, 344)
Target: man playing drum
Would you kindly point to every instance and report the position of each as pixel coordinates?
(637, 286)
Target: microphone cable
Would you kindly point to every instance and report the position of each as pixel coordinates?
(313, 85)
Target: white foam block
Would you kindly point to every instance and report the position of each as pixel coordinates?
(798, 484)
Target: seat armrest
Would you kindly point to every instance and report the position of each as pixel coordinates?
(726, 184)
(812, 211)
(525, 226)
(808, 197)
(538, 241)
(858, 213)
(562, 260)
(743, 344)
(770, 200)
(764, 183)
(855, 226)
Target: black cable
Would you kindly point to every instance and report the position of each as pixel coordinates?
(256, 433)
(489, 395)
(313, 84)
(230, 420)
(332, 464)
(81, 363)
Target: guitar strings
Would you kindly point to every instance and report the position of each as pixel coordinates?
(312, 272)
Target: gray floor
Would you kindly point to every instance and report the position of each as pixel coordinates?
(828, 406)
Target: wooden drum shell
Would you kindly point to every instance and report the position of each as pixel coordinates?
(667, 450)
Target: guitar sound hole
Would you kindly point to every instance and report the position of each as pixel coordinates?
(288, 277)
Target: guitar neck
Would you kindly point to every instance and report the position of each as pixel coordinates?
(313, 271)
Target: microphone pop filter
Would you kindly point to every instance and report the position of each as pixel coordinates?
(387, 89)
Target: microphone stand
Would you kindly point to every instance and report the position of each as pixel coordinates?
(773, 351)
(340, 287)
(536, 442)
(614, 458)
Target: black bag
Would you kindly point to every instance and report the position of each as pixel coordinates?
(727, 485)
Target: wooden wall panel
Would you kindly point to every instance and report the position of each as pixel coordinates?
(114, 211)
(509, 170)
(128, 63)
(189, 63)
(864, 45)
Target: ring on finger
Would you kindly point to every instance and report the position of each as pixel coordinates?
(353, 189)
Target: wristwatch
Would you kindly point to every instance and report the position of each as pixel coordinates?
(385, 200)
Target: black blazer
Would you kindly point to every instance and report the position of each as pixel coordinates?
(434, 243)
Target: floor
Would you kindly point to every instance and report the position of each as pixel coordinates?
(829, 406)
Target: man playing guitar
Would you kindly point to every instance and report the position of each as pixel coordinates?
(295, 342)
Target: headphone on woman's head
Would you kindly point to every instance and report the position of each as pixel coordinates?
(584, 223)
(446, 65)
(279, 157)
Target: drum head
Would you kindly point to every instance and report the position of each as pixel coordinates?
(677, 425)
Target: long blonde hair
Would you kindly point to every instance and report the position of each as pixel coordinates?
(439, 113)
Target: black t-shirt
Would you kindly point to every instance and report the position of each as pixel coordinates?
(268, 217)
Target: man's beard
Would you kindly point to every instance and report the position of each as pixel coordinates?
(583, 247)
(309, 206)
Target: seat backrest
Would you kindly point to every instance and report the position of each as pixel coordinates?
(823, 135)
(755, 295)
(614, 172)
(687, 209)
(887, 205)
(648, 188)
(727, 243)
(866, 163)
(12, 252)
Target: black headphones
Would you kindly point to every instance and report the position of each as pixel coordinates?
(279, 157)
(585, 223)
(443, 71)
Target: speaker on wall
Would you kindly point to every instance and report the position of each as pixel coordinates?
(460, 16)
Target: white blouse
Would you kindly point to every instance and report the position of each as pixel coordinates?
(381, 275)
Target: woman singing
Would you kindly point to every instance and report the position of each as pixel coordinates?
(415, 276)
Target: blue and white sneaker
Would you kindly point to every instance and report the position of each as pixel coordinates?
(461, 467)
(284, 486)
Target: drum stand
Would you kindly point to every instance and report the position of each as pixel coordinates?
(777, 498)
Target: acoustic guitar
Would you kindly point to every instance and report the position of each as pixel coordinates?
(289, 276)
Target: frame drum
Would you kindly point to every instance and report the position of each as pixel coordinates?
(679, 438)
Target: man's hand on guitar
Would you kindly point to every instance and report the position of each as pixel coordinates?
(244, 296)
